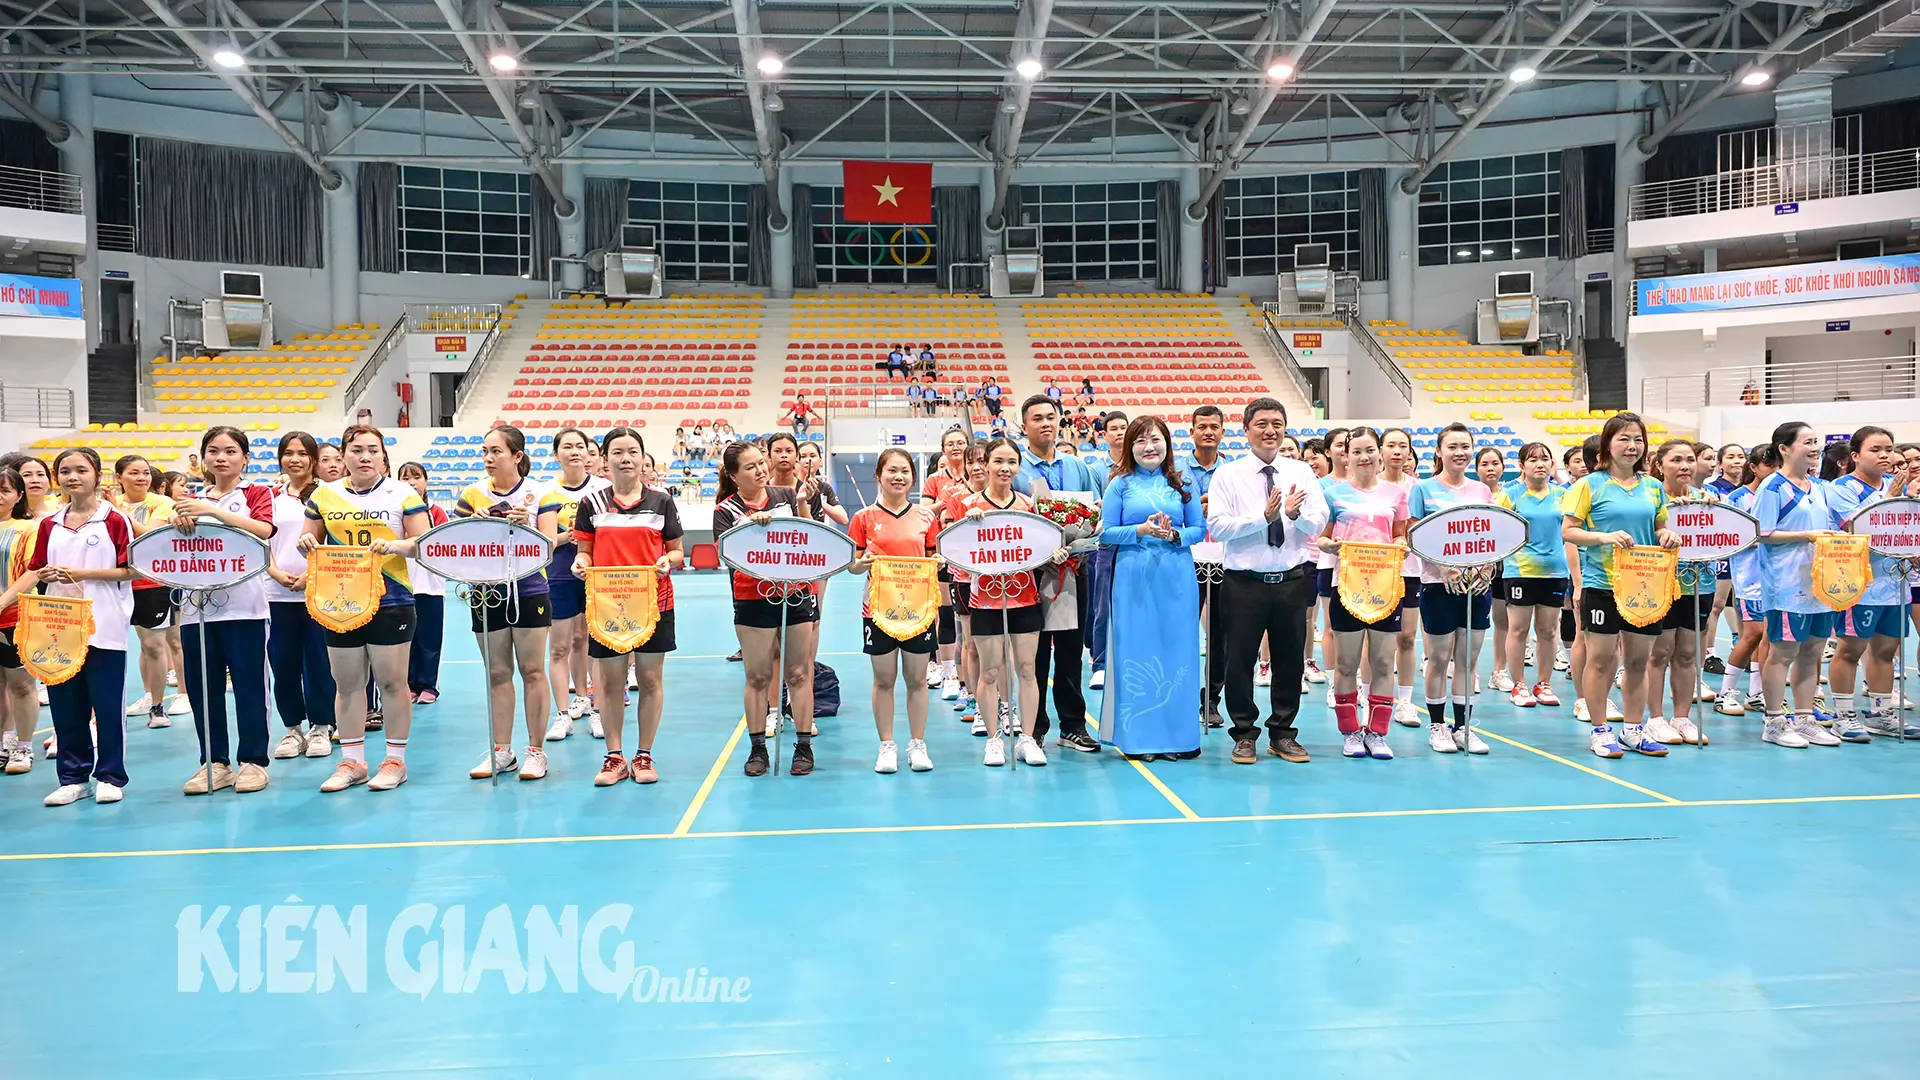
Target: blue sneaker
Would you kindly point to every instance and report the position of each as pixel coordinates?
(1606, 744)
(1886, 723)
(1822, 717)
(1848, 727)
(1637, 740)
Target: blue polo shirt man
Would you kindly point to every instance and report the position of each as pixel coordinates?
(1044, 460)
(1209, 426)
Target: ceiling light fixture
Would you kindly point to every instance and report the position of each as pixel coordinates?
(769, 64)
(1241, 106)
(228, 56)
(773, 101)
(1028, 68)
(503, 61)
(1522, 74)
(1279, 71)
(1756, 77)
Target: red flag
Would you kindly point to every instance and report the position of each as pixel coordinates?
(888, 192)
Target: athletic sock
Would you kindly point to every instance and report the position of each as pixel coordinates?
(1879, 703)
(354, 750)
(1727, 678)
(759, 739)
(1753, 678)
(1842, 704)
(947, 670)
(1459, 711)
(1346, 712)
(7, 741)
(1437, 711)
(803, 738)
(1379, 714)
(1403, 693)
(397, 750)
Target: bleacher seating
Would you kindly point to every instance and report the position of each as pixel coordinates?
(291, 377)
(165, 444)
(1444, 364)
(835, 343)
(1161, 353)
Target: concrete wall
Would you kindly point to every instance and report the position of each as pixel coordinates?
(36, 352)
(1742, 344)
(1754, 424)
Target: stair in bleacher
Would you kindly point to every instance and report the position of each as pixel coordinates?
(1606, 374)
(113, 384)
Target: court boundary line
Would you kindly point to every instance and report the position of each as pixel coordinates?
(1571, 764)
(1141, 767)
(986, 826)
(685, 827)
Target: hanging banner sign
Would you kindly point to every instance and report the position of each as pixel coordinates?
(484, 550)
(1466, 536)
(786, 549)
(1711, 531)
(1891, 526)
(1001, 542)
(1805, 283)
(45, 297)
(213, 556)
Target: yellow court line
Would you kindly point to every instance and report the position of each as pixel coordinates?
(713, 776)
(1141, 767)
(987, 826)
(1583, 768)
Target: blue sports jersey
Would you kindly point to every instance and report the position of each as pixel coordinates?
(1744, 569)
(1786, 570)
(1599, 503)
(1545, 554)
(1846, 497)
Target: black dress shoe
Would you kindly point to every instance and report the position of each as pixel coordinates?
(1184, 755)
(1287, 748)
(1245, 752)
(1213, 719)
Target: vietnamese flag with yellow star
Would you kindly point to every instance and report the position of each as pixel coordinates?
(888, 192)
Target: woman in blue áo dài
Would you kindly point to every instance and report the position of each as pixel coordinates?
(1152, 518)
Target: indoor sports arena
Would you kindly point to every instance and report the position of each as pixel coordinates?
(1425, 495)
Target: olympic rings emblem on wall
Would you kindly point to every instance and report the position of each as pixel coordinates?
(881, 247)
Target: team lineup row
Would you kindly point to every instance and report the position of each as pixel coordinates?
(1291, 533)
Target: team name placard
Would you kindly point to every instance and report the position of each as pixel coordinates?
(1891, 526)
(787, 549)
(1472, 535)
(484, 550)
(1711, 531)
(213, 556)
(1002, 542)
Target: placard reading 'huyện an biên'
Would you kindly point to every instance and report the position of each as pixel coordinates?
(1472, 535)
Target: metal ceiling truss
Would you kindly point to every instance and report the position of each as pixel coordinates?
(1157, 84)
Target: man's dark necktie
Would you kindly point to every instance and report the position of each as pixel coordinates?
(1276, 529)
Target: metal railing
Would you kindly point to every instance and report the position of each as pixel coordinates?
(472, 378)
(1363, 337)
(125, 238)
(450, 318)
(1289, 363)
(38, 189)
(38, 406)
(1599, 241)
(896, 406)
(1792, 383)
(1784, 182)
(376, 359)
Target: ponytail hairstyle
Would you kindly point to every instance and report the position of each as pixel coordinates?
(1590, 453)
(1859, 441)
(1440, 440)
(1836, 460)
(725, 487)
(1531, 449)
(606, 441)
(1765, 454)
(1787, 434)
(516, 445)
(212, 433)
(566, 431)
(87, 452)
(1660, 455)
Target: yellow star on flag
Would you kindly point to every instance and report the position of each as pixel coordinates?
(886, 192)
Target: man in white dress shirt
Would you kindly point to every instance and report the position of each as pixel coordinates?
(1266, 510)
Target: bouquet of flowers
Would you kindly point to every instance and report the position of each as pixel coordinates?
(1076, 519)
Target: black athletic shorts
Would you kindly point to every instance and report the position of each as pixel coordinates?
(1343, 622)
(1020, 620)
(9, 652)
(392, 625)
(877, 642)
(662, 641)
(1323, 582)
(1701, 607)
(1443, 612)
(1533, 591)
(153, 609)
(526, 613)
(765, 614)
(1599, 615)
(948, 632)
(1411, 592)
(963, 592)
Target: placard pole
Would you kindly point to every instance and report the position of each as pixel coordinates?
(1905, 568)
(1695, 571)
(1211, 575)
(1474, 585)
(200, 599)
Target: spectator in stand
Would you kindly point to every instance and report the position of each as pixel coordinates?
(680, 448)
(1053, 391)
(1082, 430)
(723, 433)
(928, 365)
(990, 393)
(800, 415)
(916, 396)
(1085, 396)
(697, 445)
(897, 363)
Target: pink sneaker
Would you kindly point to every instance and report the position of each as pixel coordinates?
(1544, 695)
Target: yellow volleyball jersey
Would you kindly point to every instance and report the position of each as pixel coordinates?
(357, 518)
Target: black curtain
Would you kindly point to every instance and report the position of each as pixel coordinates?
(25, 146)
(1573, 202)
(806, 273)
(1373, 225)
(606, 212)
(379, 198)
(1890, 125)
(759, 237)
(956, 224)
(1696, 153)
(544, 228)
(1600, 178)
(1011, 215)
(207, 203)
(1213, 244)
(1166, 223)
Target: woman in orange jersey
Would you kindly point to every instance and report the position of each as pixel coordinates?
(19, 712)
(953, 508)
(950, 473)
(893, 526)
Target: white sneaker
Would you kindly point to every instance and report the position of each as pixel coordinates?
(1330, 701)
(104, 792)
(140, 707)
(577, 706)
(1263, 674)
(535, 765)
(950, 689)
(594, 726)
(1099, 679)
(1780, 733)
(291, 745)
(996, 752)
(1848, 728)
(1805, 727)
(1314, 674)
(979, 725)
(51, 746)
(1619, 677)
(66, 795)
(43, 700)
(1476, 682)
(1377, 747)
(1523, 698)
(1029, 750)
(1405, 714)
(1688, 731)
(1469, 740)
(1560, 661)
(1730, 704)
(501, 760)
(1605, 743)
(774, 722)
(1580, 711)
(173, 679)
(1705, 692)
(933, 674)
(158, 718)
(889, 759)
(1440, 740)
(1353, 745)
(20, 760)
(1529, 659)
(1613, 712)
(917, 757)
(1660, 731)
(179, 706)
(1501, 682)
(319, 741)
(561, 727)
